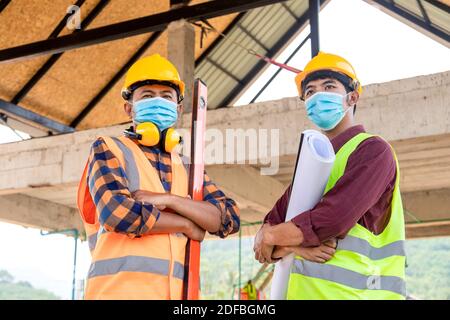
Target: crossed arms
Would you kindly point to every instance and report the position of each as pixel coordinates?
(142, 212)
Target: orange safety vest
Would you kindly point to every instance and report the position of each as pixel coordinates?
(147, 267)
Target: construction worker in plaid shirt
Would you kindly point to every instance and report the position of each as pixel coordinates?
(133, 195)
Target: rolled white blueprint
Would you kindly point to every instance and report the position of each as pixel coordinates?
(312, 170)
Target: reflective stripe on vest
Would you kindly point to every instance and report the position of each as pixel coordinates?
(146, 267)
(135, 264)
(365, 265)
(92, 241)
(130, 166)
(349, 278)
(363, 247)
(178, 270)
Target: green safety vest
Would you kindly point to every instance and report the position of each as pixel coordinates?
(251, 291)
(365, 265)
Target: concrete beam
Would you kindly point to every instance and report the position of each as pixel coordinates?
(400, 109)
(48, 161)
(181, 51)
(62, 194)
(33, 130)
(423, 206)
(37, 213)
(413, 230)
(424, 162)
(428, 230)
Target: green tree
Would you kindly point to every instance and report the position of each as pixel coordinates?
(21, 290)
(427, 274)
(6, 277)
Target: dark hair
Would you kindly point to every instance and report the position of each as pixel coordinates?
(129, 93)
(346, 81)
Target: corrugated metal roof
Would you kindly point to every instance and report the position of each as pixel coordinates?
(439, 15)
(228, 67)
(430, 17)
(428, 10)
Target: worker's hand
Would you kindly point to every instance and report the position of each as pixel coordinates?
(280, 252)
(263, 251)
(332, 243)
(320, 254)
(159, 200)
(194, 232)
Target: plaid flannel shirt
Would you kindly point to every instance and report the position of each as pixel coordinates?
(119, 212)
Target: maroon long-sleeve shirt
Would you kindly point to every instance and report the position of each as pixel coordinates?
(362, 195)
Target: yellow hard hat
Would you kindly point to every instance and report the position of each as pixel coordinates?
(152, 68)
(328, 62)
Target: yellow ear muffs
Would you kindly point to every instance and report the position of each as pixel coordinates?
(149, 134)
(170, 139)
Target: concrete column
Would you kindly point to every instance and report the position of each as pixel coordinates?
(181, 52)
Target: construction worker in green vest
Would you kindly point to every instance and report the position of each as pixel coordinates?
(250, 291)
(361, 206)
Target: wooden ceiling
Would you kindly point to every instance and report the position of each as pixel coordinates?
(78, 75)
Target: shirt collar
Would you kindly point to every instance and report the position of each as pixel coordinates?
(345, 136)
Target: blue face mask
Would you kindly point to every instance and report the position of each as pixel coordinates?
(160, 111)
(326, 109)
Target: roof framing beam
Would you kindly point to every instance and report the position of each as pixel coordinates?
(218, 40)
(224, 70)
(252, 36)
(54, 58)
(99, 96)
(104, 91)
(261, 64)
(179, 2)
(423, 11)
(23, 113)
(4, 4)
(439, 34)
(153, 23)
(441, 5)
(314, 9)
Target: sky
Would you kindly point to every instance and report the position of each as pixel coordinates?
(379, 47)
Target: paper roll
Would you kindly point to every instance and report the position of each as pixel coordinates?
(312, 170)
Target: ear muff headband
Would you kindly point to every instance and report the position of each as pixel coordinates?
(148, 134)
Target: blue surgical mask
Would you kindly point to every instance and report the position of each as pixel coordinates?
(326, 109)
(160, 111)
